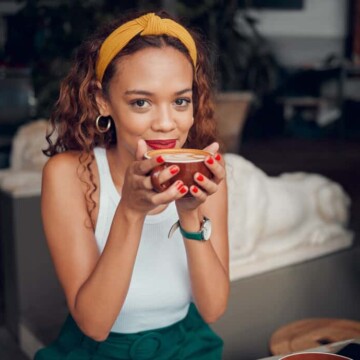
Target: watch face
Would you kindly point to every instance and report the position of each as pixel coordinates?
(206, 229)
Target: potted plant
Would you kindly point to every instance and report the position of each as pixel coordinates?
(49, 32)
(247, 70)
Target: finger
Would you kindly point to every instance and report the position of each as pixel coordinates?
(141, 149)
(147, 183)
(212, 148)
(216, 165)
(174, 192)
(198, 193)
(143, 167)
(168, 173)
(219, 158)
(163, 177)
(207, 185)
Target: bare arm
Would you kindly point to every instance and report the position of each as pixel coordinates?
(209, 261)
(87, 278)
(95, 284)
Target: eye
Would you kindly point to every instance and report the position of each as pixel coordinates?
(140, 103)
(182, 102)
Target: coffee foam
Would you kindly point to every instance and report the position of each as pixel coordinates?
(183, 157)
(179, 155)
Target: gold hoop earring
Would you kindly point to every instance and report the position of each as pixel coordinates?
(102, 129)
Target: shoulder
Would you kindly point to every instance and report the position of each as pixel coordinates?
(60, 175)
(69, 169)
(67, 161)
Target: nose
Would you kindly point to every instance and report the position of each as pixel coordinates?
(164, 121)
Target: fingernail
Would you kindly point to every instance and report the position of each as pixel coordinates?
(160, 159)
(174, 169)
(195, 189)
(218, 157)
(200, 178)
(210, 161)
(183, 190)
(179, 184)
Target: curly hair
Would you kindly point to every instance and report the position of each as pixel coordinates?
(73, 118)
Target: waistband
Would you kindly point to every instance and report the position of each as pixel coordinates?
(143, 345)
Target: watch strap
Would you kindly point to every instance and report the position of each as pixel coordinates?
(198, 235)
(191, 235)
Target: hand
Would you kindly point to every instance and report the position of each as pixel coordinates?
(138, 194)
(206, 186)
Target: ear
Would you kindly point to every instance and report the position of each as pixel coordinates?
(101, 101)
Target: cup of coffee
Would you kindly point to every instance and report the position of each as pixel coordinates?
(314, 356)
(189, 161)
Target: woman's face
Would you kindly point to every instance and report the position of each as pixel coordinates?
(150, 98)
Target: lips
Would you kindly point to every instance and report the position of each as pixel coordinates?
(161, 144)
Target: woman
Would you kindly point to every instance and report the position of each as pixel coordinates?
(142, 83)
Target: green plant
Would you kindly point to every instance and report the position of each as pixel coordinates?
(43, 36)
(241, 53)
(216, 20)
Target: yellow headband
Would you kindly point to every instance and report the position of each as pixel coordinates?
(149, 24)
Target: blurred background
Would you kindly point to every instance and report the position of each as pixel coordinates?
(298, 59)
(288, 86)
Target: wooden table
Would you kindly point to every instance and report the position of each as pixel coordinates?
(310, 333)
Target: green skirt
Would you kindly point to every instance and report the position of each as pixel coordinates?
(190, 338)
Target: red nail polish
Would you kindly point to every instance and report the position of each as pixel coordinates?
(174, 170)
(210, 161)
(160, 159)
(200, 178)
(195, 189)
(179, 184)
(218, 157)
(183, 190)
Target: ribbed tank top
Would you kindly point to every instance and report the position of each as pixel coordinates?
(159, 294)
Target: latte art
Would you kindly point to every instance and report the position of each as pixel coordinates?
(183, 157)
(179, 156)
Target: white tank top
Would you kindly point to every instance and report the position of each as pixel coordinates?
(159, 294)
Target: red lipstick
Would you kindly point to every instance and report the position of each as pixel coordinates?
(161, 144)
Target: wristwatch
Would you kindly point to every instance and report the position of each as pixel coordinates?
(202, 235)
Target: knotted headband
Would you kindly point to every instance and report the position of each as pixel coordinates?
(149, 24)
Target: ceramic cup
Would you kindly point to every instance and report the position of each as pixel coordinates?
(314, 356)
(189, 161)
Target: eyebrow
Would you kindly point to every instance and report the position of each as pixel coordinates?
(148, 93)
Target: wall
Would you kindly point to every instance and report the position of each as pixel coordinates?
(306, 36)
